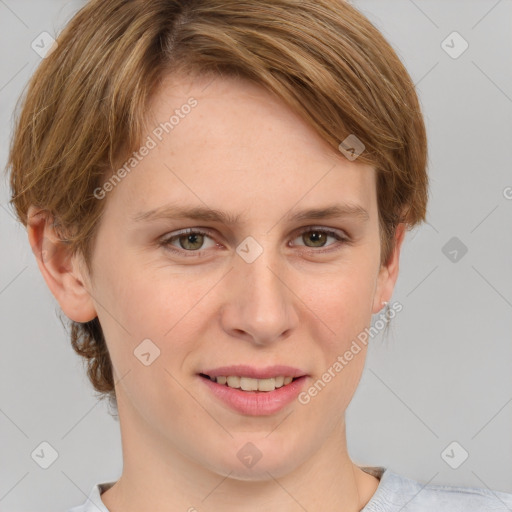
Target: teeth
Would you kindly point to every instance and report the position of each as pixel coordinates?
(250, 384)
(265, 384)
(233, 382)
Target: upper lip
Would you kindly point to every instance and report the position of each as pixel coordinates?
(242, 370)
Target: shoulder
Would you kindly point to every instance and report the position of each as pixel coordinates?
(78, 508)
(93, 502)
(398, 493)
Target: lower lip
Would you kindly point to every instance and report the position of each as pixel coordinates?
(256, 403)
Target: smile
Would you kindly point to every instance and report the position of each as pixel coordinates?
(250, 384)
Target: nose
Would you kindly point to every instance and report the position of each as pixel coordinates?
(260, 306)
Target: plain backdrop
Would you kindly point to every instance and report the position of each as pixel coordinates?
(439, 383)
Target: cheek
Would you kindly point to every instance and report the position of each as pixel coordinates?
(146, 319)
(149, 304)
(342, 301)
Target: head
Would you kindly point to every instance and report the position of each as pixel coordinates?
(213, 105)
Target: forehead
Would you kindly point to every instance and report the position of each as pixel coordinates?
(229, 143)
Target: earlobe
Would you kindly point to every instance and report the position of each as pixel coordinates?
(60, 269)
(388, 273)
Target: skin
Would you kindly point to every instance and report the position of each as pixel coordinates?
(243, 151)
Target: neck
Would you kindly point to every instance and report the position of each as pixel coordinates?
(158, 475)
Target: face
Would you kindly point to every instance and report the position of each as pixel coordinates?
(268, 283)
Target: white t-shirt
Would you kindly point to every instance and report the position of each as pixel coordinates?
(395, 493)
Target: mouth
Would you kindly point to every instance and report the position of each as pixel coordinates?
(254, 392)
(245, 383)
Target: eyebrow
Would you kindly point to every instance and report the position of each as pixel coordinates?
(201, 213)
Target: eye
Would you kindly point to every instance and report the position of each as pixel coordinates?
(190, 242)
(318, 237)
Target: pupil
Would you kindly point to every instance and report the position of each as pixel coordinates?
(192, 239)
(316, 236)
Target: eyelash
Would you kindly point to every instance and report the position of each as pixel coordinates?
(166, 242)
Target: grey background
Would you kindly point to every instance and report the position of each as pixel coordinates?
(442, 374)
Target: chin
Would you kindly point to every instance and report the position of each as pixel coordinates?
(249, 463)
(259, 473)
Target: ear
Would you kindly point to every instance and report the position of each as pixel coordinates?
(388, 272)
(62, 271)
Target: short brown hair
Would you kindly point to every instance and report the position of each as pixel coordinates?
(85, 106)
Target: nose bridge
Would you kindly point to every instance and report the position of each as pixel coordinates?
(262, 300)
(263, 280)
(261, 274)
